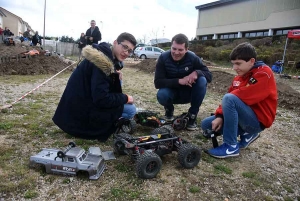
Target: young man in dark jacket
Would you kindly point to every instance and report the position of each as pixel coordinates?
(249, 106)
(93, 34)
(181, 78)
(93, 100)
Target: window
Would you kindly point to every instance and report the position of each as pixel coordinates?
(70, 159)
(259, 34)
(252, 34)
(231, 35)
(266, 33)
(148, 48)
(156, 50)
(204, 37)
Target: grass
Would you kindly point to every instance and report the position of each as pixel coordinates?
(27, 128)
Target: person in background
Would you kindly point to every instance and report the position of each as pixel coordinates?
(36, 39)
(93, 34)
(249, 106)
(93, 100)
(181, 78)
(27, 35)
(81, 43)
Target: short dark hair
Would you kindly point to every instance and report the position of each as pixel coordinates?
(127, 36)
(244, 51)
(180, 39)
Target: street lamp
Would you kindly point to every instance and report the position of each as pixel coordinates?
(44, 24)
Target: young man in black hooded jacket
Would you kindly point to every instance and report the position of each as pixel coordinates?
(93, 100)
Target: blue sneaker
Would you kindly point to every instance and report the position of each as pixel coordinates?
(224, 151)
(247, 139)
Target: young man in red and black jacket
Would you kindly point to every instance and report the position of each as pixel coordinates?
(249, 106)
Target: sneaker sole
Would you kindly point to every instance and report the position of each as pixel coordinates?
(252, 140)
(227, 156)
(192, 129)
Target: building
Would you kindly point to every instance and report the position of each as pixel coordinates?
(227, 19)
(15, 23)
(2, 15)
(158, 41)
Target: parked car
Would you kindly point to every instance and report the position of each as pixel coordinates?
(148, 52)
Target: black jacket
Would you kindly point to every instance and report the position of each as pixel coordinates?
(96, 35)
(93, 100)
(168, 71)
(83, 42)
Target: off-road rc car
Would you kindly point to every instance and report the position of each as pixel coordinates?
(146, 150)
(151, 119)
(71, 161)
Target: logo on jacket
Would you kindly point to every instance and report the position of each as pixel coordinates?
(186, 68)
(252, 80)
(236, 83)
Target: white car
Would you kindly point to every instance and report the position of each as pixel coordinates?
(147, 52)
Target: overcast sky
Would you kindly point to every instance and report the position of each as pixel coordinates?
(145, 19)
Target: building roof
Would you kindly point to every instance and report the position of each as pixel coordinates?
(20, 19)
(2, 13)
(158, 41)
(217, 3)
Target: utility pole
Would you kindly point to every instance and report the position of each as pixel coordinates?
(44, 24)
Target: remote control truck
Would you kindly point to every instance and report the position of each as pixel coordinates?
(72, 161)
(146, 150)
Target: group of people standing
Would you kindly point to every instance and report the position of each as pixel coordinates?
(91, 36)
(93, 99)
(35, 39)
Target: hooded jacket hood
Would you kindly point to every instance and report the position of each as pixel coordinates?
(258, 63)
(101, 56)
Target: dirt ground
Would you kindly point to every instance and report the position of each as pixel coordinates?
(267, 170)
(288, 97)
(39, 64)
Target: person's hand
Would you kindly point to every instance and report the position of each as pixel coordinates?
(193, 77)
(185, 81)
(217, 124)
(91, 38)
(130, 99)
(120, 74)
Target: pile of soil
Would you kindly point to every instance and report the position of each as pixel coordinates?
(39, 64)
(288, 98)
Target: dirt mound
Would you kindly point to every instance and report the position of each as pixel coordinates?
(13, 50)
(146, 65)
(39, 64)
(287, 97)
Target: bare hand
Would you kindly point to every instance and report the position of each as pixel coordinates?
(91, 38)
(217, 124)
(130, 99)
(185, 81)
(120, 74)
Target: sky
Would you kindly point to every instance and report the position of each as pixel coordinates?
(145, 19)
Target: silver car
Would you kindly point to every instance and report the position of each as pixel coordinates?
(147, 52)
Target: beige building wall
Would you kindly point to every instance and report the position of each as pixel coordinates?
(1, 22)
(248, 15)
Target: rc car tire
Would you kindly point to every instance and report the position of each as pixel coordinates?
(119, 147)
(189, 155)
(129, 128)
(148, 165)
(163, 129)
(60, 154)
(72, 144)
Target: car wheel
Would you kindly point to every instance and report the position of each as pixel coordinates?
(148, 165)
(72, 144)
(130, 127)
(119, 146)
(143, 56)
(189, 155)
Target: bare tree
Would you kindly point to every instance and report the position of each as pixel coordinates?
(155, 34)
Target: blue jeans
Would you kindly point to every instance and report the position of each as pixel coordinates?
(129, 111)
(238, 118)
(182, 95)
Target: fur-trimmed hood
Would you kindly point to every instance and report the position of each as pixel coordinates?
(102, 59)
